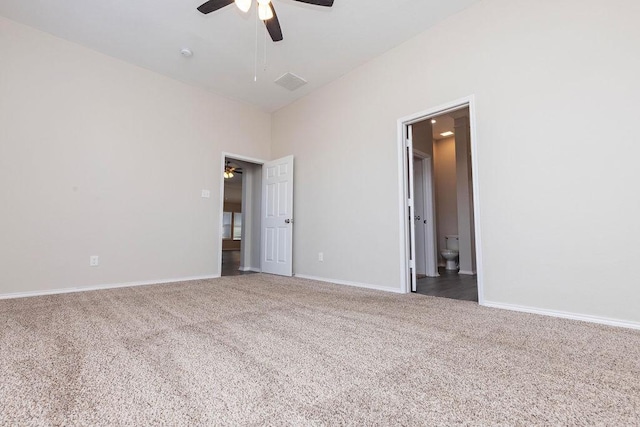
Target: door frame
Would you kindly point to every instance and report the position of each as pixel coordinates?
(429, 209)
(226, 155)
(418, 194)
(405, 189)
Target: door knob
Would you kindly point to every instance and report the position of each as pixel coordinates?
(288, 221)
(418, 218)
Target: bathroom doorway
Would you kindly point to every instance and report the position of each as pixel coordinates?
(440, 226)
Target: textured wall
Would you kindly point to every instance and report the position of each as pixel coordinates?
(552, 81)
(99, 157)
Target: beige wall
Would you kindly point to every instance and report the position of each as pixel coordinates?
(444, 156)
(551, 80)
(99, 157)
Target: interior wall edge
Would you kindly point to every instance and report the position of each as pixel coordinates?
(563, 315)
(349, 283)
(27, 294)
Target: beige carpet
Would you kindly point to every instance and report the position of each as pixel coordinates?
(264, 350)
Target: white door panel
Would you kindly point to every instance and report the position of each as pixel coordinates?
(277, 217)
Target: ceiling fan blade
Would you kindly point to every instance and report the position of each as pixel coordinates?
(273, 25)
(213, 5)
(326, 3)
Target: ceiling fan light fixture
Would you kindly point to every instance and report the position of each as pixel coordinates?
(244, 5)
(264, 11)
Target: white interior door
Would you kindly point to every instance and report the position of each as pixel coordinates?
(419, 218)
(277, 217)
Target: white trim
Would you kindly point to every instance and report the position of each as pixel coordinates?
(476, 197)
(436, 111)
(420, 154)
(411, 207)
(564, 315)
(403, 239)
(468, 273)
(413, 118)
(348, 283)
(255, 269)
(102, 287)
(241, 158)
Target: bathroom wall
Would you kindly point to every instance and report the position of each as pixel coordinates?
(423, 137)
(444, 155)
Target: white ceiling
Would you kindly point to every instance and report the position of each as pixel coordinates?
(443, 124)
(320, 44)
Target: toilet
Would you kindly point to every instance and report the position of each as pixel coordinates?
(451, 253)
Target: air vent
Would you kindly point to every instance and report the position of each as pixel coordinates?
(290, 81)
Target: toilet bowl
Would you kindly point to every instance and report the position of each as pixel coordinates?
(450, 254)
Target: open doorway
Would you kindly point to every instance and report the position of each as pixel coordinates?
(241, 206)
(441, 235)
(263, 219)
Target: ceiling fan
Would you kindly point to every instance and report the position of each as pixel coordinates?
(266, 12)
(230, 170)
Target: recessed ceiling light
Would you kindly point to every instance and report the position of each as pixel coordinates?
(186, 52)
(433, 121)
(448, 133)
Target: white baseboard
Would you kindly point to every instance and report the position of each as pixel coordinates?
(255, 269)
(101, 287)
(468, 273)
(348, 283)
(564, 315)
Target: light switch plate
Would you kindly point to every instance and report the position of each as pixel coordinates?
(206, 194)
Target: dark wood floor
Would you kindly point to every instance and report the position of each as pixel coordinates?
(449, 285)
(231, 264)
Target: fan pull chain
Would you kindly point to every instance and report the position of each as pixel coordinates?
(265, 50)
(255, 59)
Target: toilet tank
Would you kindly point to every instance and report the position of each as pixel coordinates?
(452, 242)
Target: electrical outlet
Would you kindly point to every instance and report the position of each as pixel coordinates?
(206, 194)
(320, 257)
(94, 261)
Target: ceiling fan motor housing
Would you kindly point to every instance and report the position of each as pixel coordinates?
(266, 12)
